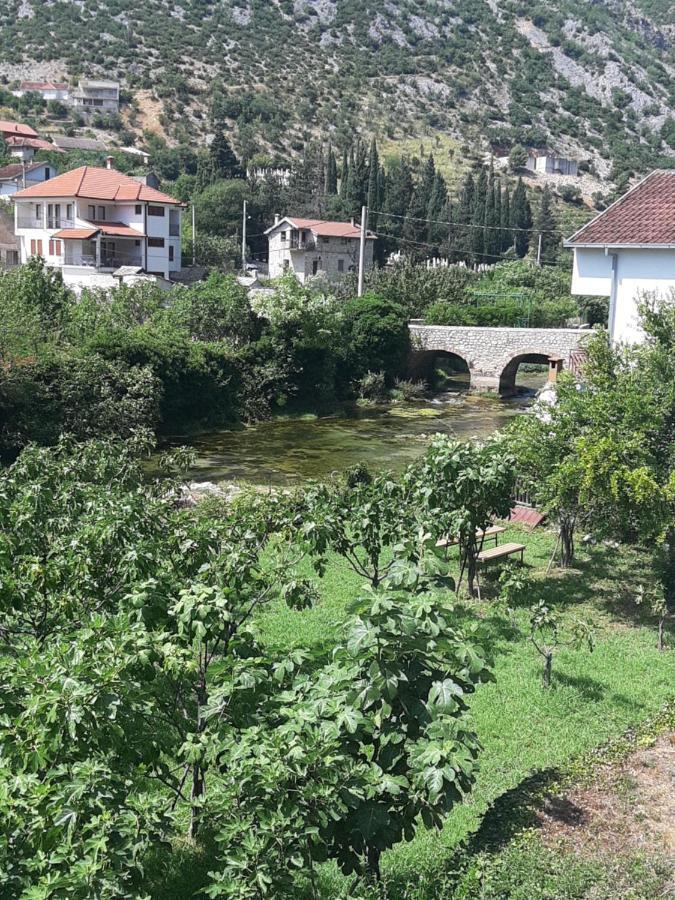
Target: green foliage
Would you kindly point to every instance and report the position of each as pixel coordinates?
(377, 336)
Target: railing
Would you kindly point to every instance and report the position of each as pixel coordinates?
(300, 244)
(29, 221)
(54, 222)
(108, 260)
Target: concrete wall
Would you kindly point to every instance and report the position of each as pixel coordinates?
(327, 253)
(637, 272)
(489, 351)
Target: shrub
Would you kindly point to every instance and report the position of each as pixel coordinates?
(371, 386)
(376, 337)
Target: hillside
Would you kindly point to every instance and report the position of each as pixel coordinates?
(594, 80)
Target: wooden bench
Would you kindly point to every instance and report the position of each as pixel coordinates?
(506, 550)
(481, 535)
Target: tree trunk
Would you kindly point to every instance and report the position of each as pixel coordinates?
(660, 641)
(373, 864)
(195, 796)
(471, 568)
(566, 542)
(548, 667)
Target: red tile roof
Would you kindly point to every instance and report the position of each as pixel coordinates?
(35, 143)
(76, 234)
(9, 128)
(44, 86)
(323, 228)
(14, 170)
(93, 183)
(117, 229)
(644, 215)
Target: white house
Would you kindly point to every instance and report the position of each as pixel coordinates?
(17, 176)
(310, 247)
(48, 90)
(97, 96)
(550, 164)
(91, 222)
(629, 250)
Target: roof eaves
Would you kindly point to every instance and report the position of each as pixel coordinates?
(571, 240)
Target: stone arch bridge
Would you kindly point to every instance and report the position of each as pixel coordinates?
(493, 355)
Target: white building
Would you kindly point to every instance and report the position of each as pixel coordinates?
(91, 222)
(48, 90)
(97, 96)
(549, 164)
(310, 247)
(629, 250)
(17, 176)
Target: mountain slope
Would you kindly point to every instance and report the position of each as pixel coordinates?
(594, 79)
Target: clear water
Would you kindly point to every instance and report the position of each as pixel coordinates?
(290, 450)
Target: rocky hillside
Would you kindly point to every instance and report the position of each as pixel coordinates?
(595, 79)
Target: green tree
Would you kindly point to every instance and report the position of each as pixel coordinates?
(546, 228)
(517, 157)
(521, 219)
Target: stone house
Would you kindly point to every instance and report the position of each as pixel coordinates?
(310, 247)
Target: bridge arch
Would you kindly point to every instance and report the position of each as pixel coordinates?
(507, 378)
(423, 362)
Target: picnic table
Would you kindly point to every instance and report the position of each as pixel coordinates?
(502, 552)
(493, 531)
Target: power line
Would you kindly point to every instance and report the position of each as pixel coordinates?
(435, 247)
(458, 225)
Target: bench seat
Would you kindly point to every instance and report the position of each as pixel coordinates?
(501, 552)
(492, 532)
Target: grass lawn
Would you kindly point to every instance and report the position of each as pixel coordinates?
(528, 732)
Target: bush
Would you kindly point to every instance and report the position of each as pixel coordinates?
(83, 397)
(376, 337)
(371, 386)
(200, 381)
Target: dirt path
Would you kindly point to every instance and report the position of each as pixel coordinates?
(629, 807)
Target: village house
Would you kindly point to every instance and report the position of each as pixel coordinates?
(17, 176)
(92, 222)
(48, 90)
(309, 247)
(9, 244)
(16, 129)
(97, 96)
(627, 251)
(65, 143)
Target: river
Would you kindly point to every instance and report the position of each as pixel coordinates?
(293, 449)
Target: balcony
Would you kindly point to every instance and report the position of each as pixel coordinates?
(52, 223)
(298, 243)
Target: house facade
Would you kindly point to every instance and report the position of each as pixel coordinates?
(16, 176)
(627, 251)
(9, 243)
(48, 90)
(97, 96)
(311, 247)
(549, 164)
(91, 222)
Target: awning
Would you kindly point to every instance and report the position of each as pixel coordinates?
(76, 234)
(117, 229)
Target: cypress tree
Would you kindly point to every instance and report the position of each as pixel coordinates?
(331, 185)
(489, 221)
(204, 175)
(478, 217)
(521, 219)
(398, 194)
(460, 239)
(506, 233)
(223, 160)
(373, 201)
(436, 231)
(344, 175)
(546, 226)
(497, 239)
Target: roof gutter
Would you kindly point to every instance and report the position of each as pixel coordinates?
(601, 246)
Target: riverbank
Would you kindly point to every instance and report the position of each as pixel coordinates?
(290, 449)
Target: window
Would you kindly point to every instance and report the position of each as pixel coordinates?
(156, 211)
(38, 211)
(341, 265)
(48, 173)
(54, 248)
(137, 243)
(155, 242)
(286, 265)
(315, 266)
(101, 214)
(171, 253)
(92, 212)
(283, 236)
(326, 240)
(35, 247)
(69, 211)
(138, 209)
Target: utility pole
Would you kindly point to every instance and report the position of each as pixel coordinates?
(362, 248)
(243, 241)
(194, 238)
(539, 250)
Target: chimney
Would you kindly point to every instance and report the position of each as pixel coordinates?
(108, 162)
(277, 218)
(353, 222)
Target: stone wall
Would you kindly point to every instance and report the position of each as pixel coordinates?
(489, 351)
